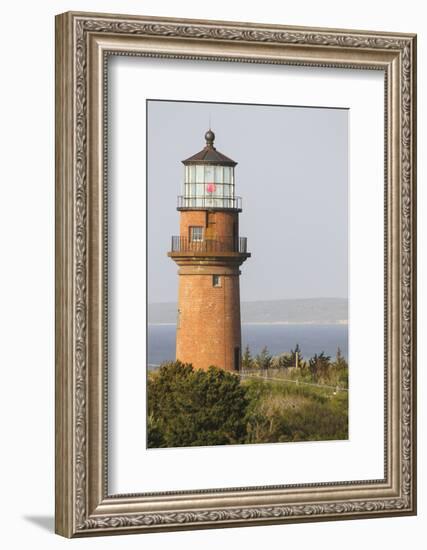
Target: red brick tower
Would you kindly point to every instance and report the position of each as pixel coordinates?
(209, 253)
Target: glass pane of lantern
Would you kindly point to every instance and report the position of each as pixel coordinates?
(199, 189)
(199, 174)
(218, 174)
(210, 189)
(209, 174)
(227, 175)
(191, 174)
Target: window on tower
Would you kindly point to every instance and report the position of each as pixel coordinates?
(216, 280)
(196, 233)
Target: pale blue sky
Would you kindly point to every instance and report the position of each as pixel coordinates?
(292, 173)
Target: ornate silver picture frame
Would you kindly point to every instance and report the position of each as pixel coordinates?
(84, 42)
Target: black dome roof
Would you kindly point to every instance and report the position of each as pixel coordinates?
(209, 154)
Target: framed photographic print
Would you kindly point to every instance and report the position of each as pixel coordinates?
(235, 274)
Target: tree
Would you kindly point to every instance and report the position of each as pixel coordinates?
(188, 407)
(263, 359)
(339, 359)
(289, 360)
(296, 356)
(319, 366)
(284, 361)
(247, 360)
(341, 369)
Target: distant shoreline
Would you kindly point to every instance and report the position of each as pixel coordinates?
(291, 312)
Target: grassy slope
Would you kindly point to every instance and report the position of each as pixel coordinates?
(280, 411)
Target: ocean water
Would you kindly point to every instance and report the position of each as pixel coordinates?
(278, 339)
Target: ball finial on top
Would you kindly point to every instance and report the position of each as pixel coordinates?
(209, 137)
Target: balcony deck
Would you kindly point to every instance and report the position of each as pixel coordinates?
(209, 246)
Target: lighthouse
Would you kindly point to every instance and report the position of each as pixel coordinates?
(209, 252)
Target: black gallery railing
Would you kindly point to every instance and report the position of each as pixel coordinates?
(208, 201)
(220, 244)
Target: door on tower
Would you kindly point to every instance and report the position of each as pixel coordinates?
(236, 359)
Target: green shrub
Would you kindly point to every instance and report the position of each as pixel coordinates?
(189, 407)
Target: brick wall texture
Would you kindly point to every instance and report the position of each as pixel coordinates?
(208, 324)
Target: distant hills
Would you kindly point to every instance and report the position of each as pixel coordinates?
(304, 311)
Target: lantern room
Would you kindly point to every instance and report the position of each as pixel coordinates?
(209, 180)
